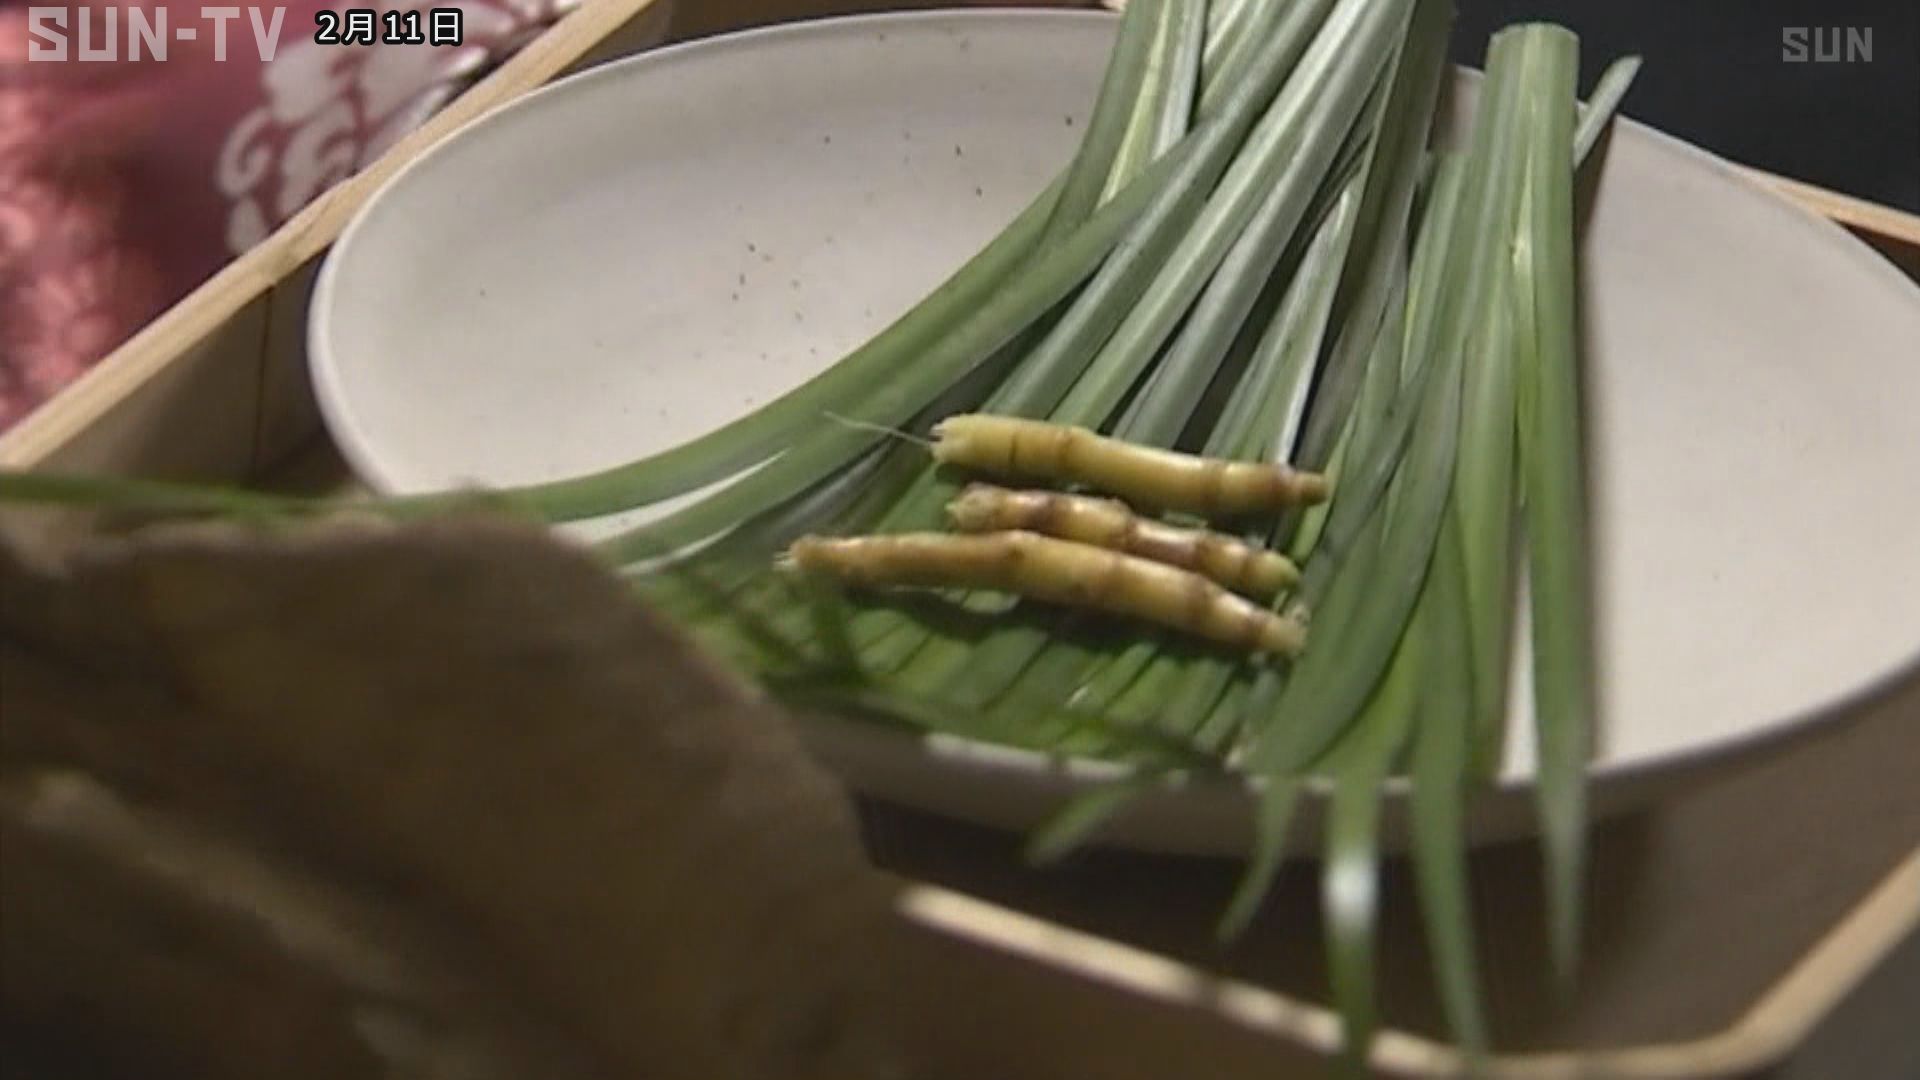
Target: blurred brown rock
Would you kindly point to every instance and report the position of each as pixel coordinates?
(434, 801)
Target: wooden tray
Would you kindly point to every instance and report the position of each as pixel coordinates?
(1768, 925)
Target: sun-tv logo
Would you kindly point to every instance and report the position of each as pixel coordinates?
(99, 35)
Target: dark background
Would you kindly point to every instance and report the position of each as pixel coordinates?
(1715, 76)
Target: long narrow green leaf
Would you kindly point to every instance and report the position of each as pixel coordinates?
(739, 559)
(1559, 580)
(1174, 388)
(1139, 141)
(1221, 731)
(1369, 605)
(1225, 20)
(1085, 184)
(1181, 104)
(1594, 118)
(1263, 418)
(1145, 702)
(1061, 358)
(1060, 362)
(157, 497)
(1360, 305)
(1350, 875)
(1272, 824)
(1493, 181)
(1441, 754)
(1310, 526)
(1292, 145)
(1103, 687)
(1060, 668)
(1086, 815)
(1486, 489)
(1387, 395)
(1604, 103)
(1233, 39)
(751, 637)
(1439, 244)
(829, 616)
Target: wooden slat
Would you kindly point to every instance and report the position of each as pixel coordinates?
(1214, 1027)
(193, 416)
(287, 417)
(206, 389)
(1885, 222)
(1894, 233)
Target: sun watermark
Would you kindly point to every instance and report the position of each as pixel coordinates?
(1826, 44)
(88, 34)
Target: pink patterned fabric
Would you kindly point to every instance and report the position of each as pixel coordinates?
(126, 183)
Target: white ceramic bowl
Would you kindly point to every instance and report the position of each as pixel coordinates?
(629, 257)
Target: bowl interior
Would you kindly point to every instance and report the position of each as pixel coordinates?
(635, 255)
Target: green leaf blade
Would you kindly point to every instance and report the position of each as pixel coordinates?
(1556, 512)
